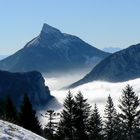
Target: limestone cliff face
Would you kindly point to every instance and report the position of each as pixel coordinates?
(16, 85)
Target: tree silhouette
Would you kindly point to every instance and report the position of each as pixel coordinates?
(95, 125)
(81, 117)
(10, 113)
(27, 116)
(130, 112)
(111, 122)
(66, 126)
(50, 128)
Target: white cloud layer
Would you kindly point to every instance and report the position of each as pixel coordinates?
(97, 92)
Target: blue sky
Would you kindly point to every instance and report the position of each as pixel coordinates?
(102, 23)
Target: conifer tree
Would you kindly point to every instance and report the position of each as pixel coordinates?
(2, 106)
(95, 125)
(65, 127)
(10, 113)
(51, 125)
(27, 116)
(111, 122)
(81, 116)
(50, 115)
(130, 113)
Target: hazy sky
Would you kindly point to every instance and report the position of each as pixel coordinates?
(102, 23)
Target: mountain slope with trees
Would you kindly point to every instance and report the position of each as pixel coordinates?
(120, 66)
(16, 85)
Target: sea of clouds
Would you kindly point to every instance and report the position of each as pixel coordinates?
(98, 91)
(95, 92)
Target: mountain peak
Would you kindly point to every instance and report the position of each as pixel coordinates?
(54, 52)
(49, 29)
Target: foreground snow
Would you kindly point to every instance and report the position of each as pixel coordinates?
(14, 132)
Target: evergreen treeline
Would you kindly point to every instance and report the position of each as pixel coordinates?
(25, 116)
(78, 121)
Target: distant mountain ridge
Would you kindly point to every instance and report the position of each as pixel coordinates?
(120, 66)
(53, 51)
(111, 49)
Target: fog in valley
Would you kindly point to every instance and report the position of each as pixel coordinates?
(57, 81)
(96, 92)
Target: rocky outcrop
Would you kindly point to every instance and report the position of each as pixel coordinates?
(16, 85)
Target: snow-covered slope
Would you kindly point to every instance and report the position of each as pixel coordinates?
(14, 132)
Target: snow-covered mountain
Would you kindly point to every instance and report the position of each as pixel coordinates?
(16, 85)
(53, 51)
(9, 131)
(120, 66)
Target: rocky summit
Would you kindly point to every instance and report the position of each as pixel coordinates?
(53, 51)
